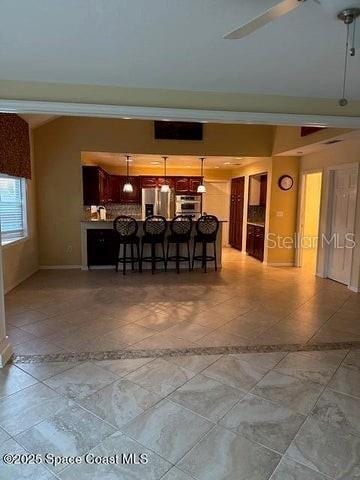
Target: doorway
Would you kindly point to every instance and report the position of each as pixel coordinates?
(342, 206)
(310, 218)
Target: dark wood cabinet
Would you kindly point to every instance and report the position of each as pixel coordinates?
(259, 243)
(115, 186)
(182, 185)
(95, 185)
(186, 184)
(194, 183)
(169, 181)
(236, 212)
(102, 247)
(99, 187)
(149, 182)
(250, 239)
(255, 241)
(263, 189)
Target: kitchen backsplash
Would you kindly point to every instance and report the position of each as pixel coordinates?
(115, 209)
(256, 213)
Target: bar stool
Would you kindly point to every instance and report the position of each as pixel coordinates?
(180, 228)
(154, 234)
(207, 227)
(126, 228)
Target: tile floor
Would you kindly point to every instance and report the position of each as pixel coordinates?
(269, 416)
(246, 303)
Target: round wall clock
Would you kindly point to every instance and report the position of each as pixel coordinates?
(286, 182)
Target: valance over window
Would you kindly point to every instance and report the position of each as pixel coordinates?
(14, 146)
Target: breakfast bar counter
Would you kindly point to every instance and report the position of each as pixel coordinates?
(104, 227)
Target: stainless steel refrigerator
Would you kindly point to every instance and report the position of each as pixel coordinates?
(155, 202)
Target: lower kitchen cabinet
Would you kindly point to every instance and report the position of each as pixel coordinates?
(102, 247)
(255, 241)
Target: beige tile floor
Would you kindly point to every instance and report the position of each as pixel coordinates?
(246, 303)
(269, 416)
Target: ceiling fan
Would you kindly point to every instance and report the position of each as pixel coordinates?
(345, 10)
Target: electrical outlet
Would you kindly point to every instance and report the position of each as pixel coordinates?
(279, 213)
(69, 249)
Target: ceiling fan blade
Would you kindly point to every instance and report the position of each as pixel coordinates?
(282, 8)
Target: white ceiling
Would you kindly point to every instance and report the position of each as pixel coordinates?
(175, 44)
(174, 161)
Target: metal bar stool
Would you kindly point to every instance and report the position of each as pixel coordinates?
(207, 227)
(126, 228)
(180, 228)
(154, 234)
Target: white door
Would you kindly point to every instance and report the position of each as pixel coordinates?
(342, 224)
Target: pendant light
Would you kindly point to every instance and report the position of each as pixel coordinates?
(165, 187)
(201, 188)
(127, 188)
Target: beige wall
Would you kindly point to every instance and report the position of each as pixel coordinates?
(58, 146)
(289, 138)
(20, 260)
(284, 202)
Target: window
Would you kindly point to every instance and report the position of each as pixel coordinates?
(12, 209)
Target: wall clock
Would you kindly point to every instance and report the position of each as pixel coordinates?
(286, 182)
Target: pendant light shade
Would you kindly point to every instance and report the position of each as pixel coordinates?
(201, 188)
(127, 188)
(165, 188)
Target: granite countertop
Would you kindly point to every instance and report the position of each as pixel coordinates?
(110, 220)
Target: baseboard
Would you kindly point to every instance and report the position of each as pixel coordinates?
(5, 352)
(280, 264)
(354, 289)
(59, 267)
(22, 279)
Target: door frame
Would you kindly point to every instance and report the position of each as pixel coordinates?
(301, 214)
(330, 190)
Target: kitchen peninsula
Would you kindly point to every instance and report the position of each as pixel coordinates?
(98, 244)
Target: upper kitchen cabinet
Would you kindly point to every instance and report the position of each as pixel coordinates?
(182, 185)
(100, 187)
(115, 184)
(187, 184)
(149, 182)
(194, 183)
(168, 181)
(263, 189)
(95, 185)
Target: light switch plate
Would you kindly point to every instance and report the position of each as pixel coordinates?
(279, 214)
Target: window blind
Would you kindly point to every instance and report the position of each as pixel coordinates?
(13, 224)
